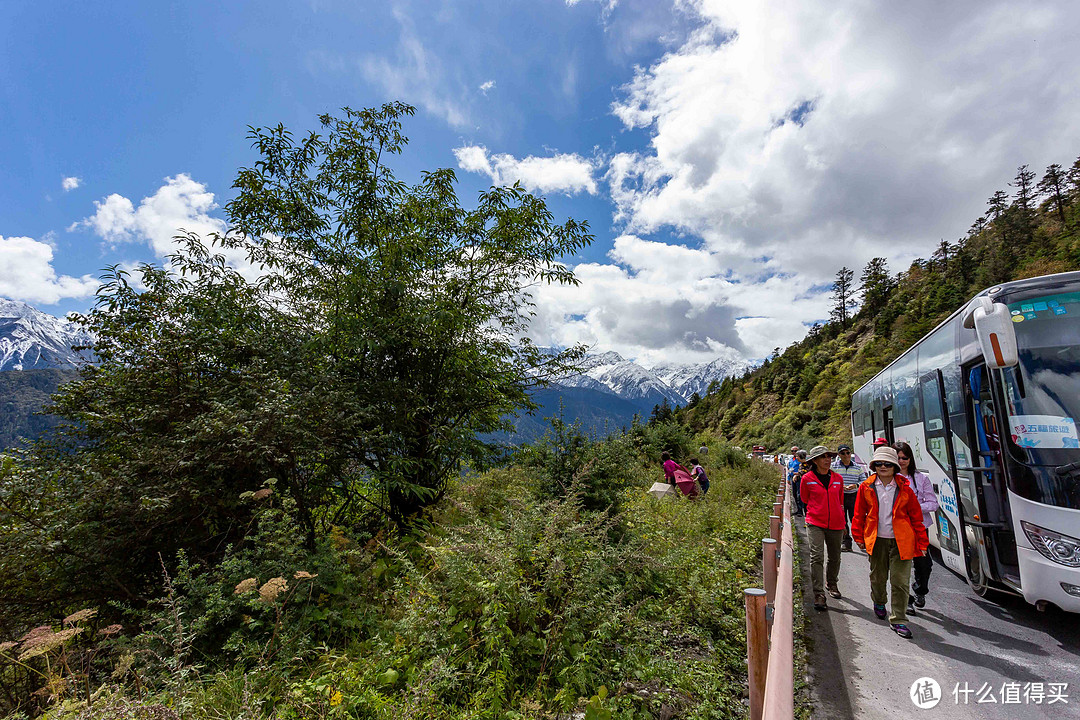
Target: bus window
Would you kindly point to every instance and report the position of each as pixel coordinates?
(934, 420)
(906, 392)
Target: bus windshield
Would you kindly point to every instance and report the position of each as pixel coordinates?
(1043, 392)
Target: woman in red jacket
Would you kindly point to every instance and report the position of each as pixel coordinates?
(888, 525)
(822, 491)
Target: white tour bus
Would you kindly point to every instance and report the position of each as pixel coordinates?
(989, 402)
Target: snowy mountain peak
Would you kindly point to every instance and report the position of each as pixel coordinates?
(33, 340)
(610, 372)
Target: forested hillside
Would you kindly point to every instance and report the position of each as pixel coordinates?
(802, 394)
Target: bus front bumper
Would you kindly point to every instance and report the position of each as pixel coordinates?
(1043, 579)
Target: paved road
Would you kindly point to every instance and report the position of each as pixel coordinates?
(860, 669)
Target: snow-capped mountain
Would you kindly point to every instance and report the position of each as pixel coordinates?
(689, 379)
(645, 387)
(33, 340)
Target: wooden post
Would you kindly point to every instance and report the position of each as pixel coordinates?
(768, 557)
(774, 527)
(778, 508)
(757, 649)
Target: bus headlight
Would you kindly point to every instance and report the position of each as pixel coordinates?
(1054, 546)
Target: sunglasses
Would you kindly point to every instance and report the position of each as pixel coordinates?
(876, 465)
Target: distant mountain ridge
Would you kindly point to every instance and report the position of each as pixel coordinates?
(604, 396)
(34, 340)
(644, 386)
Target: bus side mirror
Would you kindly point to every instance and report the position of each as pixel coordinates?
(994, 326)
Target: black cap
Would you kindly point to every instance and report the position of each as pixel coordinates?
(842, 448)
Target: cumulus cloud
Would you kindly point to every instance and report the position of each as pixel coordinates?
(660, 302)
(484, 87)
(70, 183)
(567, 173)
(180, 205)
(789, 139)
(27, 274)
(829, 132)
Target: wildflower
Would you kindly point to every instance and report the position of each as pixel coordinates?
(46, 642)
(111, 630)
(335, 699)
(304, 575)
(123, 666)
(262, 494)
(5, 646)
(272, 588)
(79, 616)
(246, 586)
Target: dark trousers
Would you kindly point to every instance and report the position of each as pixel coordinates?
(922, 567)
(849, 513)
(796, 495)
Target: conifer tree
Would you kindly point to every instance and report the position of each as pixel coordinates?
(843, 298)
(1052, 186)
(876, 285)
(1024, 204)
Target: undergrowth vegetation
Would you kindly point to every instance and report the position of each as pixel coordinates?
(550, 586)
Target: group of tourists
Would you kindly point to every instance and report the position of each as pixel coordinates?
(693, 482)
(886, 513)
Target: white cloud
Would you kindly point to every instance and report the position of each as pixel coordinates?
(180, 205)
(670, 303)
(70, 183)
(561, 173)
(484, 87)
(825, 132)
(415, 75)
(27, 274)
(789, 139)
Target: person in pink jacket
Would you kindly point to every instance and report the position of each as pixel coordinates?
(822, 492)
(924, 490)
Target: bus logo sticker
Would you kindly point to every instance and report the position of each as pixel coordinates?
(1039, 306)
(1027, 307)
(1059, 311)
(1018, 318)
(1044, 431)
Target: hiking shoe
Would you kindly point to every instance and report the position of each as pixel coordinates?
(911, 603)
(920, 600)
(845, 546)
(834, 591)
(902, 630)
(819, 602)
(880, 611)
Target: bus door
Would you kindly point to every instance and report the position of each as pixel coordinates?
(982, 486)
(946, 450)
(888, 418)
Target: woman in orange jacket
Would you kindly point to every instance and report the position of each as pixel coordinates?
(888, 525)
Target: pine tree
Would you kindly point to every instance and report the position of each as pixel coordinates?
(843, 299)
(1052, 186)
(1024, 204)
(877, 285)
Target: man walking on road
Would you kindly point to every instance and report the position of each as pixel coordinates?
(852, 474)
(822, 491)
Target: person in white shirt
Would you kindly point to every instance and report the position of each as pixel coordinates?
(846, 467)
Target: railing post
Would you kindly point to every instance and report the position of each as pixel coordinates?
(757, 649)
(778, 508)
(774, 527)
(768, 557)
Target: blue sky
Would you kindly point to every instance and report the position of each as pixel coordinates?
(729, 156)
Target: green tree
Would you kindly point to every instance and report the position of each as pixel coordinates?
(1024, 204)
(385, 333)
(877, 284)
(843, 299)
(1053, 187)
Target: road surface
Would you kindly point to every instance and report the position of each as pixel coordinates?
(998, 648)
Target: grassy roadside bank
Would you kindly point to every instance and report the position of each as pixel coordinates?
(508, 603)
